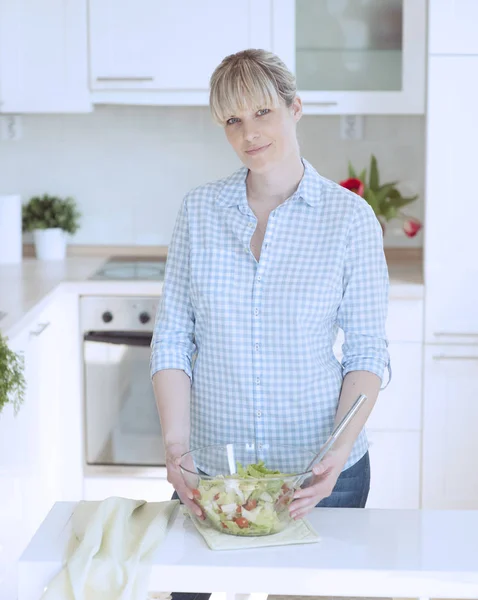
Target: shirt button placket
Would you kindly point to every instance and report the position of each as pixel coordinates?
(257, 296)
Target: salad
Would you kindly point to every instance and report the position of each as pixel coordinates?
(239, 504)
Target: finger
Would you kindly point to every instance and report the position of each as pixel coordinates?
(299, 505)
(302, 510)
(311, 491)
(319, 469)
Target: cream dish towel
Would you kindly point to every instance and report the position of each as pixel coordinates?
(110, 550)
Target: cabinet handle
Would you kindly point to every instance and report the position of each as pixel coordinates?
(133, 78)
(324, 103)
(448, 357)
(452, 334)
(40, 330)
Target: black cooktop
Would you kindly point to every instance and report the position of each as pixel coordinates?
(143, 268)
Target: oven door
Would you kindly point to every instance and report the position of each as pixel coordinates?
(121, 417)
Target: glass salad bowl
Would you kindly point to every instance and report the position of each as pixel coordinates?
(244, 489)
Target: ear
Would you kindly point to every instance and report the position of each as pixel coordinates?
(296, 108)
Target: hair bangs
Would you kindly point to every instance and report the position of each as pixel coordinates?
(243, 87)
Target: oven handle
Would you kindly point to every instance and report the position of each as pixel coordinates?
(126, 338)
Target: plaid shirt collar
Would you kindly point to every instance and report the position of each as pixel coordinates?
(233, 190)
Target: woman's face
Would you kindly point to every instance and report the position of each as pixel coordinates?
(265, 138)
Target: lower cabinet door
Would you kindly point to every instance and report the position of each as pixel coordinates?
(395, 469)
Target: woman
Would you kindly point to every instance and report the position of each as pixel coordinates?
(263, 268)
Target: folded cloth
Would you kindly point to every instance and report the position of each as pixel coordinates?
(110, 550)
(298, 532)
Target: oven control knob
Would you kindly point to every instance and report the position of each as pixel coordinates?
(107, 317)
(144, 317)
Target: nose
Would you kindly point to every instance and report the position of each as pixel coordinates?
(250, 131)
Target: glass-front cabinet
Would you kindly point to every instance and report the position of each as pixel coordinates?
(354, 56)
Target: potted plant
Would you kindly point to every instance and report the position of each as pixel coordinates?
(12, 379)
(50, 218)
(385, 199)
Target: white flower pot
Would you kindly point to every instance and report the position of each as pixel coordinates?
(50, 244)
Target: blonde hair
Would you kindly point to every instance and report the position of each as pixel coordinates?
(249, 80)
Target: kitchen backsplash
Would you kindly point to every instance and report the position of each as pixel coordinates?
(129, 167)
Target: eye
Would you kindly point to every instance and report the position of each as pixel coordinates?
(232, 121)
(263, 111)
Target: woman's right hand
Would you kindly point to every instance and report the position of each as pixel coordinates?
(176, 479)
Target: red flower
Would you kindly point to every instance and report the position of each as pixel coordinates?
(354, 185)
(411, 226)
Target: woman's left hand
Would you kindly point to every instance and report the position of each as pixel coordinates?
(325, 477)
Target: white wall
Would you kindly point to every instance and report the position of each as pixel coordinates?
(129, 167)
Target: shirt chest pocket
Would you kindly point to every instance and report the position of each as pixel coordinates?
(313, 295)
(214, 277)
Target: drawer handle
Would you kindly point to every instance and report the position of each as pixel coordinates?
(133, 78)
(324, 103)
(451, 334)
(40, 330)
(448, 357)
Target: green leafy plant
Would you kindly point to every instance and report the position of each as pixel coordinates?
(12, 379)
(385, 199)
(45, 212)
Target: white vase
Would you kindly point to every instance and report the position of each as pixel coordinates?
(10, 229)
(50, 244)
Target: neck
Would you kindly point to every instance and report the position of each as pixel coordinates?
(276, 185)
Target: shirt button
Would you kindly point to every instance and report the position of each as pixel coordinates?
(251, 225)
(259, 278)
(256, 311)
(258, 381)
(257, 347)
(260, 446)
(259, 414)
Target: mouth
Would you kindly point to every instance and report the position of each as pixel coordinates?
(257, 149)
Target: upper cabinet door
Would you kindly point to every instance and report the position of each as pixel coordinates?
(451, 243)
(363, 57)
(43, 56)
(453, 27)
(168, 46)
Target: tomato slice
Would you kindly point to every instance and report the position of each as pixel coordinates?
(250, 504)
(242, 522)
(196, 493)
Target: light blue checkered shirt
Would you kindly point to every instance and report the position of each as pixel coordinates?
(257, 339)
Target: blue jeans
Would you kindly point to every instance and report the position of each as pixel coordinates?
(350, 491)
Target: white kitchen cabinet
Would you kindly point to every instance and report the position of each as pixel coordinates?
(43, 56)
(27, 449)
(40, 448)
(354, 57)
(452, 27)
(168, 46)
(451, 243)
(450, 441)
(394, 469)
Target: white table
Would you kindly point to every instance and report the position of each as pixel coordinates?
(367, 553)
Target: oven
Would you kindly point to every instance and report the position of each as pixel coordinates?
(121, 420)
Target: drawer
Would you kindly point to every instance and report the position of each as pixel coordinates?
(395, 469)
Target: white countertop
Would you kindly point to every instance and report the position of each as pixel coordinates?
(27, 287)
(369, 552)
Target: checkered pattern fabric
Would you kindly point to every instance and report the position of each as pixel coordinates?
(256, 338)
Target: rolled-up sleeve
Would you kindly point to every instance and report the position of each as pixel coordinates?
(172, 344)
(363, 311)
